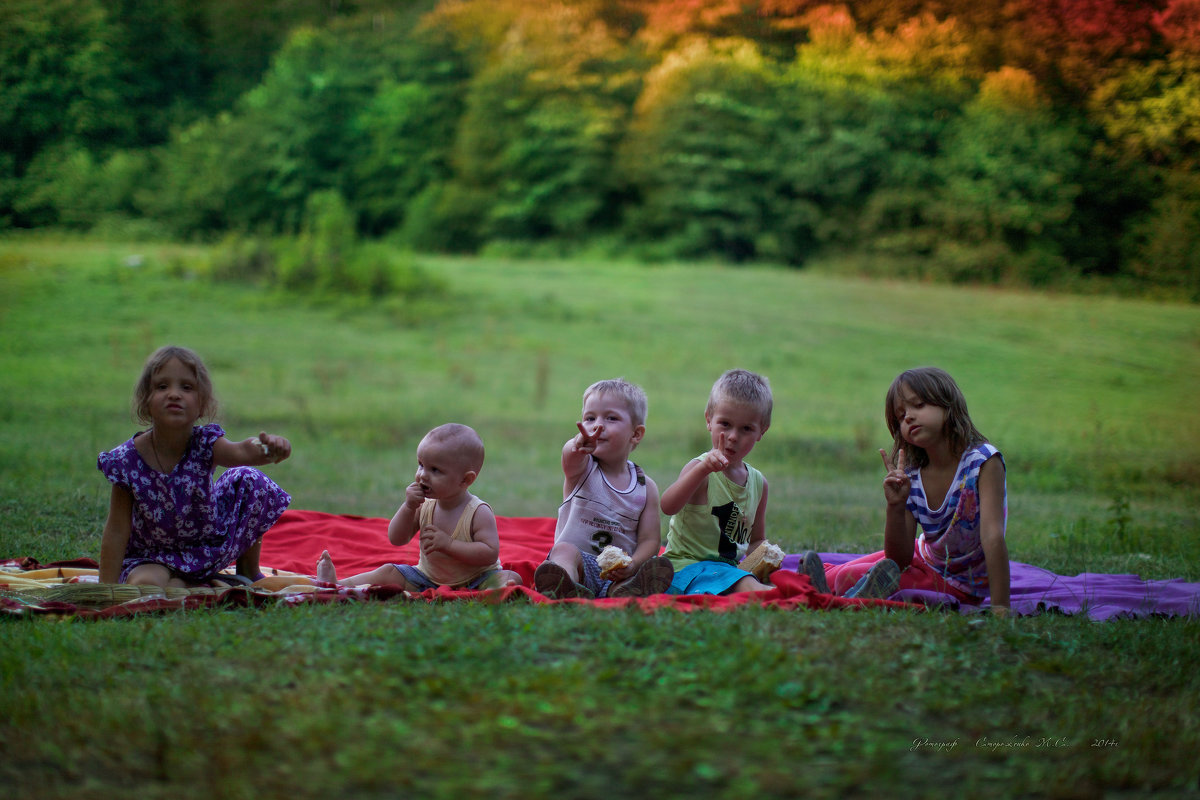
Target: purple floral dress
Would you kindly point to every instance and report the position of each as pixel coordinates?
(185, 520)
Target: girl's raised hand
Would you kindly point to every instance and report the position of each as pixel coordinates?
(896, 483)
(275, 448)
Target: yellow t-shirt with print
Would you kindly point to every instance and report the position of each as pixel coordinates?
(719, 529)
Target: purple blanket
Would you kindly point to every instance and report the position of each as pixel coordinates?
(1035, 590)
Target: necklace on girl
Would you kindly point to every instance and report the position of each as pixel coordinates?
(154, 448)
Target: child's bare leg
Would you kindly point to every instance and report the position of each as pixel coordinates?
(247, 564)
(386, 575)
(749, 584)
(567, 557)
(154, 575)
(276, 583)
(500, 579)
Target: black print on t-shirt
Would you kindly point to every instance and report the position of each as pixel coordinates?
(734, 530)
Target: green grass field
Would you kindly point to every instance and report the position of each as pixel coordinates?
(1091, 399)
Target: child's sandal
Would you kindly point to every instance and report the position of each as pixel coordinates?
(233, 580)
(553, 581)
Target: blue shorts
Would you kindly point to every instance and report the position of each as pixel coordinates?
(706, 577)
(417, 578)
(591, 575)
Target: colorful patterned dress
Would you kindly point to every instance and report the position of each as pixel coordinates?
(184, 519)
(949, 539)
(948, 552)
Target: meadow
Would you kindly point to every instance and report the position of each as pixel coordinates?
(1091, 399)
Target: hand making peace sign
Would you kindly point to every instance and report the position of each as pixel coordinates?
(896, 483)
(586, 442)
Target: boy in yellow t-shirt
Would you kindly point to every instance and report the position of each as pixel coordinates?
(718, 503)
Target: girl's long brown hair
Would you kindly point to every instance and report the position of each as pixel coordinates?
(934, 386)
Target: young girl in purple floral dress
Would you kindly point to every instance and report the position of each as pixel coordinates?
(169, 523)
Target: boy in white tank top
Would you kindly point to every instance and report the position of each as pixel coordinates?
(607, 501)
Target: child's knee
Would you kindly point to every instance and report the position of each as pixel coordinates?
(750, 584)
(564, 553)
(148, 575)
(500, 579)
(389, 574)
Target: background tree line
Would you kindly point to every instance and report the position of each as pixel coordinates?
(1019, 141)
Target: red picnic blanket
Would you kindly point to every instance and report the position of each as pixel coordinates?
(359, 544)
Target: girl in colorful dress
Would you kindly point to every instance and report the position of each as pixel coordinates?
(947, 504)
(169, 523)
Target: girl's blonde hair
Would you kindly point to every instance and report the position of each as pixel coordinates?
(157, 360)
(936, 387)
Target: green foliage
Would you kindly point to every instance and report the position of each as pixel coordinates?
(706, 128)
(1152, 111)
(68, 184)
(197, 188)
(244, 259)
(833, 157)
(1008, 172)
(407, 130)
(60, 84)
(990, 142)
(106, 74)
(541, 124)
(253, 170)
(1163, 246)
(872, 114)
(328, 240)
(326, 260)
(297, 118)
(1151, 116)
(167, 63)
(184, 59)
(445, 218)
(61, 78)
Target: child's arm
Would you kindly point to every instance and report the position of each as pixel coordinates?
(575, 456)
(899, 526)
(404, 524)
(691, 487)
(758, 531)
(991, 532)
(115, 539)
(483, 550)
(649, 535)
(265, 448)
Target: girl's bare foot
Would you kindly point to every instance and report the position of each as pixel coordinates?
(326, 571)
